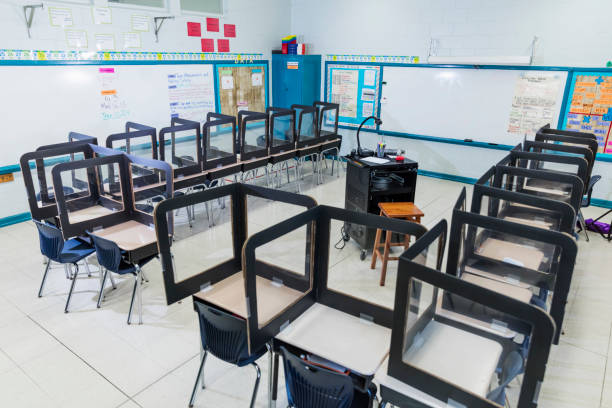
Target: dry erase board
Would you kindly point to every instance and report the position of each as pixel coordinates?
(356, 89)
(242, 87)
(483, 105)
(47, 102)
(589, 107)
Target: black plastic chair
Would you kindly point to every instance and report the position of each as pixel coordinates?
(225, 337)
(310, 386)
(53, 246)
(110, 258)
(586, 201)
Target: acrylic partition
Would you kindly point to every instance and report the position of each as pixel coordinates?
(458, 342)
(282, 130)
(218, 141)
(327, 120)
(253, 133)
(180, 146)
(306, 126)
(521, 208)
(36, 168)
(137, 140)
(530, 264)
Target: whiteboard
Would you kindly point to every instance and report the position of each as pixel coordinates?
(456, 103)
(42, 104)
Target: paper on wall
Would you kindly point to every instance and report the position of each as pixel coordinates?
(102, 15)
(368, 94)
(131, 40)
(61, 16)
(369, 77)
(367, 109)
(76, 38)
(191, 94)
(105, 42)
(227, 82)
(140, 23)
(257, 79)
(345, 91)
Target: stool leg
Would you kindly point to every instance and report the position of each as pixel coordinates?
(376, 246)
(383, 272)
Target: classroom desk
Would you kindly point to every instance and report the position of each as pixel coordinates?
(138, 240)
(229, 294)
(457, 356)
(508, 289)
(89, 213)
(531, 222)
(354, 343)
(398, 393)
(522, 255)
(494, 276)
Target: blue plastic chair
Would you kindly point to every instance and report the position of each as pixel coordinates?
(110, 258)
(53, 246)
(51, 193)
(225, 337)
(310, 386)
(513, 366)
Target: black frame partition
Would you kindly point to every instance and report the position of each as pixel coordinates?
(322, 216)
(129, 135)
(250, 152)
(563, 149)
(322, 107)
(552, 138)
(561, 214)
(546, 129)
(303, 141)
(70, 149)
(284, 145)
(222, 158)
(517, 174)
(238, 193)
(80, 137)
(186, 166)
(411, 274)
(559, 275)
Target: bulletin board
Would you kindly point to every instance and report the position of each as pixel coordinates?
(589, 106)
(356, 88)
(242, 87)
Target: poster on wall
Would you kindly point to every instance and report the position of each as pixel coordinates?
(356, 89)
(112, 106)
(534, 101)
(589, 107)
(191, 94)
(241, 87)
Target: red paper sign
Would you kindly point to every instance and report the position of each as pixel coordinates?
(223, 45)
(229, 30)
(194, 30)
(212, 24)
(208, 45)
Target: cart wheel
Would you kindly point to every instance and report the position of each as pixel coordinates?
(362, 255)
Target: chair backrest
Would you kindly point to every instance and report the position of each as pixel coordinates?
(223, 335)
(309, 386)
(51, 240)
(592, 182)
(512, 366)
(108, 253)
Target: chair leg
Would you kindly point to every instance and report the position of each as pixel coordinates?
(87, 267)
(138, 277)
(74, 278)
(114, 285)
(199, 379)
(583, 225)
(129, 318)
(254, 397)
(44, 279)
(101, 295)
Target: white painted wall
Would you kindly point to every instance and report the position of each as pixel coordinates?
(463, 28)
(260, 25)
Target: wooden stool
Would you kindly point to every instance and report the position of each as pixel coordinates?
(405, 211)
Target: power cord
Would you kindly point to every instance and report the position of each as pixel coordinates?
(344, 238)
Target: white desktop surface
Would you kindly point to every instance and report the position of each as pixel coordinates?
(382, 378)
(346, 340)
(88, 213)
(457, 356)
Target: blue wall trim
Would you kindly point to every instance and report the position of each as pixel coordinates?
(444, 176)
(15, 219)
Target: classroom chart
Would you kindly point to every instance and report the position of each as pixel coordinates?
(589, 106)
(242, 87)
(356, 89)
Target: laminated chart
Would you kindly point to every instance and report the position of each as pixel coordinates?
(356, 89)
(589, 107)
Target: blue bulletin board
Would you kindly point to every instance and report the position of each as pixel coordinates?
(356, 88)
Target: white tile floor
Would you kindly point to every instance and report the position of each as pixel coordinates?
(91, 358)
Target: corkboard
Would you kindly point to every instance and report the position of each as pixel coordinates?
(242, 87)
